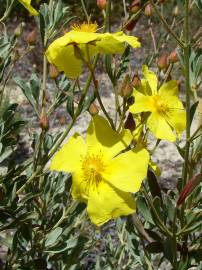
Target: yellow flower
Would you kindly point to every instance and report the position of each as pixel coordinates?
(64, 51)
(27, 5)
(101, 176)
(167, 114)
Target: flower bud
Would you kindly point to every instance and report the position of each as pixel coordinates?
(176, 11)
(190, 186)
(130, 101)
(102, 4)
(126, 88)
(62, 120)
(162, 62)
(44, 121)
(93, 109)
(53, 72)
(32, 37)
(18, 30)
(148, 10)
(130, 123)
(135, 6)
(136, 81)
(129, 26)
(173, 57)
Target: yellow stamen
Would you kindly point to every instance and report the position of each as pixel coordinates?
(85, 27)
(160, 105)
(92, 167)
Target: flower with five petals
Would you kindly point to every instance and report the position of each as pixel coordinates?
(68, 52)
(167, 116)
(102, 176)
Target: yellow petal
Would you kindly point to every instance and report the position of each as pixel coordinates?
(63, 57)
(80, 189)
(142, 103)
(132, 41)
(27, 5)
(82, 37)
(177, 119)
(127, 171)
(110, 45)
(168, 89)
(151, 79)
(68, 158)
(107, 203)
(160, 128)
(100, 136)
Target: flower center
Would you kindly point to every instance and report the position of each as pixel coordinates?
(92, 167)
(160, 104)
(85, 27)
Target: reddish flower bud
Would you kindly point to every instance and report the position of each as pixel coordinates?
(135, 6)
(190, 186)
(44, 121)
(162, 62)
(148, 10)
(93, 109)
(129, 26)
(62, 120)
(173, 57)
(53, 72)
(126, 87)
(136, 81)
(130, 123)
(32, 37)
(102, 4)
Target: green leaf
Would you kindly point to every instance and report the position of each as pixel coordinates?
(35, 87)
(26, 90)
(69, 244)
(108, 67)
(125, 60)
(154, 186)
(70, 104)
(168, 249)
(53, 236)
(144, 210)
(155, 247)
(87, 102)
(199, 4)
(193, 110)
(43, 19)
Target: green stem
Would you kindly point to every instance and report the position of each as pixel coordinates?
(174, 240)
(85, 10)
(92, 70)
(187, 89)
(159, 221)
(121, 123)
(166, 25)
(7, 12)
(107, 18)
